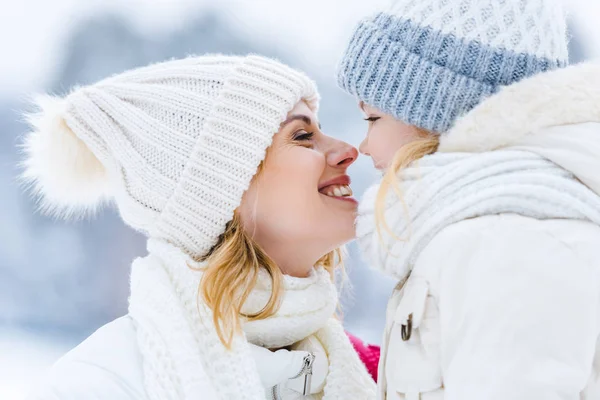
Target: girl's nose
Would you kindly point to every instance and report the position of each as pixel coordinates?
(363, 148)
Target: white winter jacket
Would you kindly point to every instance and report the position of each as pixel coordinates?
(166, 348)
(503, 305)
(108, 365)
(91, 372)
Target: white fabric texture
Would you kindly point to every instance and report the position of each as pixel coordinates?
(498, 267)
(445, 188)
(523, 26)
(183, 357)
(175, 145)
(179, 142)
(107, 365)
(167, 347)
(504, 307)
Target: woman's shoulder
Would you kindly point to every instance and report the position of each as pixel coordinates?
(108, 364)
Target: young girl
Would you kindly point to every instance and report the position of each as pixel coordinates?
(489, 210)
(241, 247)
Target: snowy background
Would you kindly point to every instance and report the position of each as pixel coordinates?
(61, 281)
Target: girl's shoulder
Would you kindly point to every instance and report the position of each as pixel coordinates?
(108, 364)
(508, 228)
(493, 245)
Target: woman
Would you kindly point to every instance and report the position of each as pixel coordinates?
(488, 214)
(239, 262)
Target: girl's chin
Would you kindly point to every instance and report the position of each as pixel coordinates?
(380, 165)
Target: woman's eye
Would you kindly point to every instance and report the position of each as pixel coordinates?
(303, 136)
(372, 119)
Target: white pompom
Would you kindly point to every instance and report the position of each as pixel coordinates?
(65, 174)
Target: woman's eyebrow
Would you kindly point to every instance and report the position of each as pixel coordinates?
(306, 119)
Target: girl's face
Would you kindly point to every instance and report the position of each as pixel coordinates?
(385, 136)
(300, 206)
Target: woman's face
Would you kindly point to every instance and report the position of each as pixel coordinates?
(300, 206)
(385, 136)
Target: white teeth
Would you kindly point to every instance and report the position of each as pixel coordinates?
(346, 191)
(338, 191)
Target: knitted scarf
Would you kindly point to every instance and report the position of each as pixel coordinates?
(445, 188)
(183, 357)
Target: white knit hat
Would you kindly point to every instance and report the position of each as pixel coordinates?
(175, 144)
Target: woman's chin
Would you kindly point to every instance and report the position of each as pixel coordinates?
(344, 233)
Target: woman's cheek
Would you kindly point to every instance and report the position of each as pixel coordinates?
(306, 165)
(296, 178)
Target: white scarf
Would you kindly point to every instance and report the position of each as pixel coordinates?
(445, 188)
(183, 357)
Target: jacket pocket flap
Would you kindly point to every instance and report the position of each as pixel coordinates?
(413, 302)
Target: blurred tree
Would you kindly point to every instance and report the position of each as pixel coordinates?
(577, 52)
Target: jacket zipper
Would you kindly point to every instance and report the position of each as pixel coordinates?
(306, 370)
(275, 392)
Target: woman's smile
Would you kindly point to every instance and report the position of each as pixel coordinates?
(301, 206)
(338, 189)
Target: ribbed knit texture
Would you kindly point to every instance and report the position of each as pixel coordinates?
(429, 62)
(183, 358)
(183, 139)
(445, 188)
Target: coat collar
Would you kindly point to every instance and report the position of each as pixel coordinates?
(566, 96)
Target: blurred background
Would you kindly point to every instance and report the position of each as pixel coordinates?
(61, 281)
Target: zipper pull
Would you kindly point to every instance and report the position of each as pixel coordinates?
(308, 363)
(275, 395)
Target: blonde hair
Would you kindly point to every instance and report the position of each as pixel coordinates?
(230, 273)
(427, 143)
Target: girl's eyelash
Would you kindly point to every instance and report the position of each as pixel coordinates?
(372, 119)
(304, 136)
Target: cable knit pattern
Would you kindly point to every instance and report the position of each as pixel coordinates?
(445, 188)
(348, 377)
(429, 62)
(306, 300)
(183, 357)
(524, 26)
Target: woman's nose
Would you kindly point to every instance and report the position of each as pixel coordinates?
(342, 154)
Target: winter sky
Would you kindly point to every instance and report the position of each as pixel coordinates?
(33, 32)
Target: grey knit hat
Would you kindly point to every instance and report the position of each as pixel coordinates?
(427, 62)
